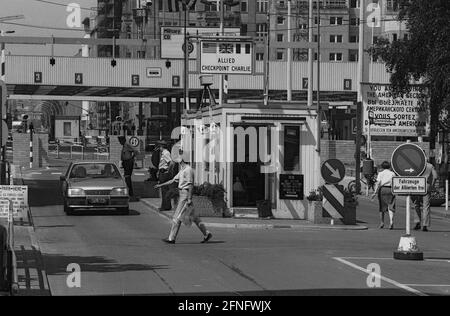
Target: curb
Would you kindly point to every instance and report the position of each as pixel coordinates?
(263, 226)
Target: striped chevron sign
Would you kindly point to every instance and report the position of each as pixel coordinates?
(333, 201)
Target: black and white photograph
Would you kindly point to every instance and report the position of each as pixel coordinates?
(219, 155)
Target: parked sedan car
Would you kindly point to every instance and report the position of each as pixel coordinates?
(94, 185)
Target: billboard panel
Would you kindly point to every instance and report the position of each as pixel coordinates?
(395, 115)
(172, 40)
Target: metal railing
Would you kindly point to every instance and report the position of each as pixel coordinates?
(11, 261)
(78, 151)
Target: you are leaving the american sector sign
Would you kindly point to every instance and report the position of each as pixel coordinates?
(228, 58)
(395, 115)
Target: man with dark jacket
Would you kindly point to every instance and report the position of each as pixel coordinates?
(127, 156)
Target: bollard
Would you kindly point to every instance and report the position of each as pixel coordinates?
(3, 165)
(446, 196)
(3, 258)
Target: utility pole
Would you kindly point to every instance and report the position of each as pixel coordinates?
(289, 54)
(310, 56)
(319, 123)
(267, 58)
(186, 60)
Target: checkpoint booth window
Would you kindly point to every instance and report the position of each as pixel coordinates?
(291, 148)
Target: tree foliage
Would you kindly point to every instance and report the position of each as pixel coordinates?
(424, 55)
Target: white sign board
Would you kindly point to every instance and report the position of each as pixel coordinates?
(393, 115)
(172, 40)
(154, 72)
(409, 185)
(18, 195)
(232, 58)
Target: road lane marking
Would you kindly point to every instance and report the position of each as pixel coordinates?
(56, 173)
(36, 173)
(385, 279)
(373, 258)
(139, 174)
(428, 285)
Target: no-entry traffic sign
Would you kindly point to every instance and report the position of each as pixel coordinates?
(333, 171)
(408, 160)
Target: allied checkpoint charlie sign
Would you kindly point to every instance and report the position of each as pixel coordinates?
(229, 58)
(388, 114)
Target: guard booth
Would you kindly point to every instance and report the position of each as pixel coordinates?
(259, 153)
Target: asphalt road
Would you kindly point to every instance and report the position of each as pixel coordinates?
(124, 255)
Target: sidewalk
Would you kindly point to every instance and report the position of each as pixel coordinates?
(248, 223)
(32, 279)
(435, 210)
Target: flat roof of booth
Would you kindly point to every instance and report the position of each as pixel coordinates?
(258, 106)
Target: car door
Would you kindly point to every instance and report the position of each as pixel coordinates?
(64, 182)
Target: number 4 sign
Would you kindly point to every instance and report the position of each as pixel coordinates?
(78, 78)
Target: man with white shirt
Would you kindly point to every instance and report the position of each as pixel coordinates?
(185, 211)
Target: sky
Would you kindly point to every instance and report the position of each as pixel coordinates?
(45, 14)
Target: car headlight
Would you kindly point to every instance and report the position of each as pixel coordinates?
(75, 192)
(119, 192)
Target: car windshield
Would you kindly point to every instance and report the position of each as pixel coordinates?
(94, 171)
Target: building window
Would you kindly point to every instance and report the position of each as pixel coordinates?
(335, 38)
(244, 6)
(292, 148)
(392, 5)
(141, 54)
(280, 54)
(280, 20)
(354, 39)
(261, 31)
(280, 37)
(335, 20)
(335, 56)
(244, 28)
(354, 21)
(353, 56)
(375, 39)
(316, 38)
(259, 56)
(262, 6)
(354, 4)
(303, 26)
(67, 129)
(394, 37)
(315, 56)
(405, 37)
(315, 21)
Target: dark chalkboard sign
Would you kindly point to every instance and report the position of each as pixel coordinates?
(291, 186)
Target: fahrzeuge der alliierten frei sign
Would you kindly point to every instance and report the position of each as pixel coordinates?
(395, 115)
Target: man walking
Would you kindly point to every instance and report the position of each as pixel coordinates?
(127, 156)
(422, 217)
(185, 210)
(165, 162)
